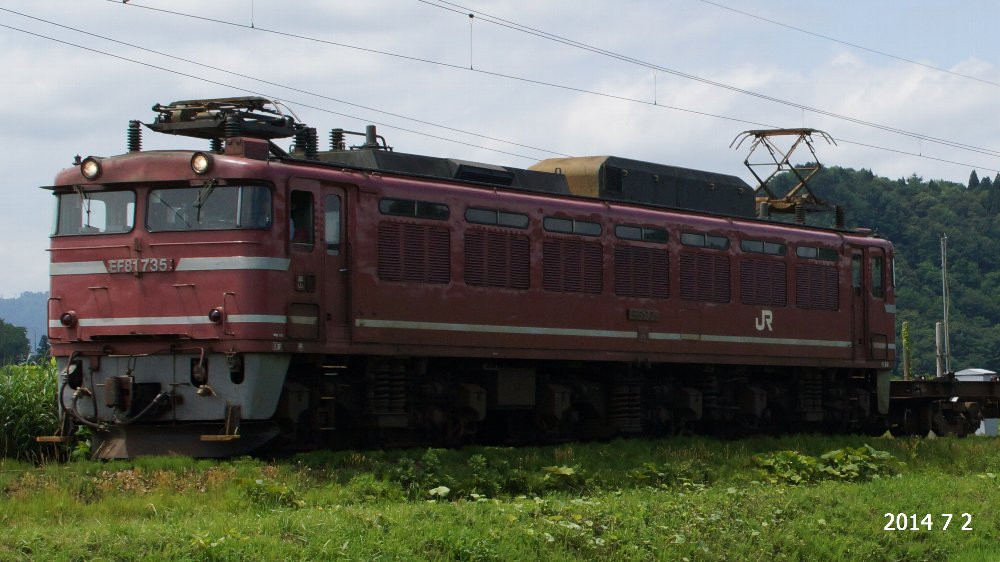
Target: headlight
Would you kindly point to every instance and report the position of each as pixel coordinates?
(201, 162)
(90, 168)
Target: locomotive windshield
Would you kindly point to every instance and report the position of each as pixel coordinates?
(209, 207)
(94, 212)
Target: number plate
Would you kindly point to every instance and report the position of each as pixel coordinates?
(139, 265)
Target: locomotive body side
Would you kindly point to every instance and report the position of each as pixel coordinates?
(595, 296)
(209, 312)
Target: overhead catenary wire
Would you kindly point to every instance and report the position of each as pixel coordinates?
(448, 65)
(325, 110)
(525, 29)
(285, 86)
(850, 44)
(258, 93)
(458, 9)
(453, 7)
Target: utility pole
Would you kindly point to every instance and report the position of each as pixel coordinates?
(906, 351)
(945, 298)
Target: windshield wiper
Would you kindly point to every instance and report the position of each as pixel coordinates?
(203, 195)
(86, 205)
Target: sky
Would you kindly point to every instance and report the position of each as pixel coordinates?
(897, 84)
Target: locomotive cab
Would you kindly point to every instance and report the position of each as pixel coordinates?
(168, 298)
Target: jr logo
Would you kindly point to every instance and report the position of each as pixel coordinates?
(766, 316)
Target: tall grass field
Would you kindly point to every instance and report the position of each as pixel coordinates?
(27, 408)
(802, 497)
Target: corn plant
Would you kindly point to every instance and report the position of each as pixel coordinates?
(27, 409)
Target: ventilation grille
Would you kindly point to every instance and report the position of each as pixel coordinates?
(642, 272)
(763, 282)
(816, 286)
(496, 259)
(572, 266)
(413, 252)
(704, 277)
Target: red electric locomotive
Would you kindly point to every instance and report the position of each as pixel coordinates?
(211, 302)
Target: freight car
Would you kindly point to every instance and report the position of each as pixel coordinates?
(215, 302)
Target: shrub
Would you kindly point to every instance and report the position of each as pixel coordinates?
(27, 409)
(418, 476)
(493, 476)
(788, 467)
(859, 464)
(850, 464)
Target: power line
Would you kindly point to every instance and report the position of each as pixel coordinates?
(915, 154)
(849, 44)
(271, 83)
(445, 64)
(257, 93)
(325, 110)
(457, 8)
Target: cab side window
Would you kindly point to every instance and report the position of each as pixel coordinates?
(878, 287)
(331, 235)
(300, 216)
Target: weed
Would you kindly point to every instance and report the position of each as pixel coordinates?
(564, 478)
(857, 464)
(667, 475)
(365, 488)
(625, 500)
(788, 467)
(493, 476)
(416, 476)
(563, 454)
(269, 494)
(81, 447)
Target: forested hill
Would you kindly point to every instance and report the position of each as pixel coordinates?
(913, 214)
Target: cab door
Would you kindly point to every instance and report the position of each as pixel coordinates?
(873, 318)
(335, 268)
(859, 305)
(305, 250)
(880, 321)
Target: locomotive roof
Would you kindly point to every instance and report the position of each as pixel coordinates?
(601, 177)
(605, 178)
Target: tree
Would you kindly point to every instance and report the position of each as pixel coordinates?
(993, 198)
(42, 351)
(14, 346)
(973, 180)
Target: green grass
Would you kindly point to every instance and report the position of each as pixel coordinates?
(694, 498)
(27, 409)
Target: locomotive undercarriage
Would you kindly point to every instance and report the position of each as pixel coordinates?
(365, 402)
(223, 405)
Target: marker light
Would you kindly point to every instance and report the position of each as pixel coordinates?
(215, 315)
(90, 168)
(68, 319)
(201, 162)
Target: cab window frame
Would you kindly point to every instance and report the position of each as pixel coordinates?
(265, 216)
(88, 194)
